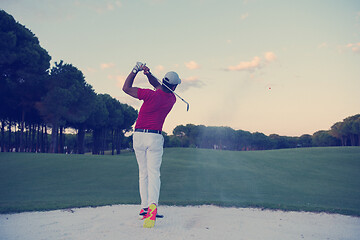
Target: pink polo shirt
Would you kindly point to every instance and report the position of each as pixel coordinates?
(157, 105)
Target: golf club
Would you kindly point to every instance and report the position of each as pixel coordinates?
(187, 104)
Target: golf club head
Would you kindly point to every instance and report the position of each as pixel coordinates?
(187, 107)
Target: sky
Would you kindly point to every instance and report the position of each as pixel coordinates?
(276, 67)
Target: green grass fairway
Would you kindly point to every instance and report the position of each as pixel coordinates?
(309, 179)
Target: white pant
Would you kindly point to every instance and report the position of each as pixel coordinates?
(148, 150)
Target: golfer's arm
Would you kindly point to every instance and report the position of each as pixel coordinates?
(153, 80)
(128, 88)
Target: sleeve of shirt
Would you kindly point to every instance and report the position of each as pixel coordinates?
(144, 94)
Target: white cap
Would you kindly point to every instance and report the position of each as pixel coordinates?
(172, 78)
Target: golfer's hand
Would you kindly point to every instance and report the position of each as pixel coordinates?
(146, 70)
(138, 67)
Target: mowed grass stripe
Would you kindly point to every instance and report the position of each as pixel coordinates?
(50, 181)
(311, 179)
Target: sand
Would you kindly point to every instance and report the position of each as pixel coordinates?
(193, 222)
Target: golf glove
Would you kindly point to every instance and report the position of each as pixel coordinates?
(138, 67)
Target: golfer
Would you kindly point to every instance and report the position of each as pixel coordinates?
(147, 139)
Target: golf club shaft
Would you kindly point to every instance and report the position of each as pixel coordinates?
(187, 109)
(187, 104)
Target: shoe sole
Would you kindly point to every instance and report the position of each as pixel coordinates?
(148, 222)
(142, 216)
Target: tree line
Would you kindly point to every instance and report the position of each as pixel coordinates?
(36, 100)
(344, 133)
(348, 131)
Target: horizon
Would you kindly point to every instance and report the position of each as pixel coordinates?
(286, 68)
